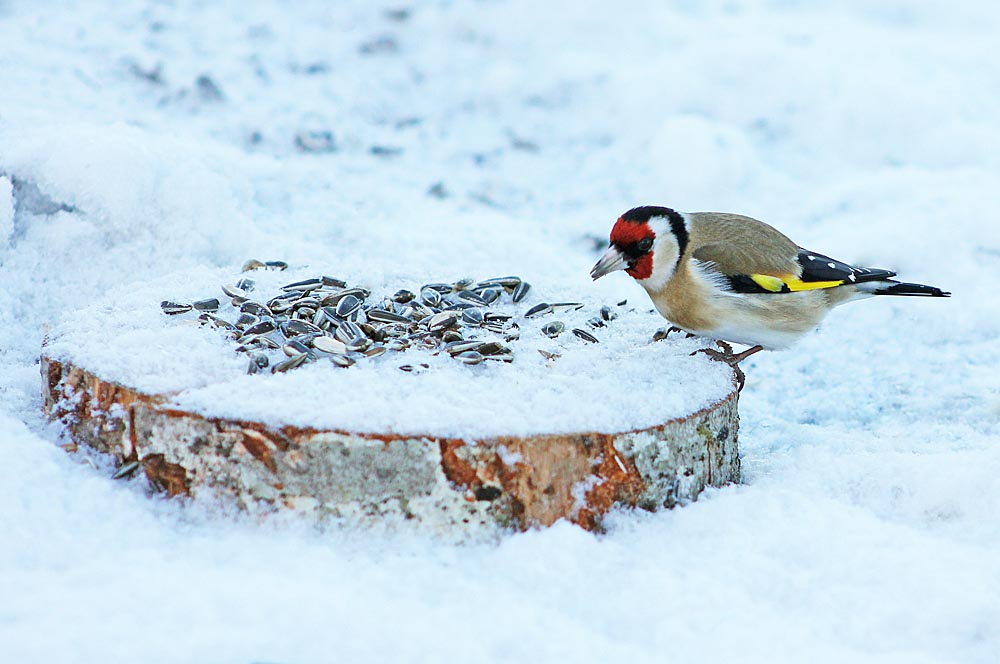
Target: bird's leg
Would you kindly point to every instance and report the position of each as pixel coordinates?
(673, 328)
(739, 357)
(732, 359)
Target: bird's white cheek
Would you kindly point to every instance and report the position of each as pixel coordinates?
(663, 269)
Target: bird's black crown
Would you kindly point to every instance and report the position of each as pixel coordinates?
(641, 215)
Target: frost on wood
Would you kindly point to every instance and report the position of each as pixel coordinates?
(444, 483)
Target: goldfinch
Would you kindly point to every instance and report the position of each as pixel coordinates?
(732, 278)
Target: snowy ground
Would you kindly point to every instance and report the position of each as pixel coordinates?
(496, 137)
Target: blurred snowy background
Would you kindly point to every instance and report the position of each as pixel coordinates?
(453, 138)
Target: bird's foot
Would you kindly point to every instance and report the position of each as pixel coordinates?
(674, 329)
(665, 332)
(732, 359)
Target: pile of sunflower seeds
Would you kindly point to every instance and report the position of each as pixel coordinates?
(325, 318)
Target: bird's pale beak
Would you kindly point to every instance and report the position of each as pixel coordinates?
(611, 260)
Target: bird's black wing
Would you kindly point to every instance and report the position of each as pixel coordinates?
(815, 271)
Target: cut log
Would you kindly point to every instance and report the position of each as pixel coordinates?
(447, 483)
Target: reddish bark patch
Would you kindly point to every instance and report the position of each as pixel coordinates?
(170, 477)
(259, 445)
(457, 471)
(619, 483)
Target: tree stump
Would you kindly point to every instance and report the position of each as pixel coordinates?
(447, 483)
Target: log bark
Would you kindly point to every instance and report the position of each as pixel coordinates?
(449, 484)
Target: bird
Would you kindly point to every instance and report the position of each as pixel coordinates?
(734, 279)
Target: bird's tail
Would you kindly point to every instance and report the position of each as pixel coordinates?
(893, 287)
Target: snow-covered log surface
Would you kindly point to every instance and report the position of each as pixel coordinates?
(604, 386)
(392, 140)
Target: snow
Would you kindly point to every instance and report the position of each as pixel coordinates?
(866, 527)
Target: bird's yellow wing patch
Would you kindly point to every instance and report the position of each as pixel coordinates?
(768, 283)
(786, 283)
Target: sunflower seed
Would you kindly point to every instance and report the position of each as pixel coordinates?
(255, 308)
(472, 297)
(443, 289)
(372, 332)
(246, 285)
(441, 321)
(310, 302)
(430, 297)
(341, 360)
(244, 321)
(347, 306)
(398, 344)
(174, 308)
(125, 470)
(332, 299)
(539, 309)
(470, 357)
(553, 329)
(393, 330)
(210, 305)
(490, 295)
(473, 316)
(596, 321)
(294, 347)
(295, 327)
(333, 281)
(327, 344)
(509, 283)
(307, 313)
(348, 331)
(463, 284)
(456, 347)
(305, 285)
(586, 336)
(452, 303)
(520, 291)
(263, 326)
(359, 316)
(660, 334)
(279, 306)
(249, 342)
(567, 306)
(403, 296)
(607, 314)
(253, 264)
(233, 291)
(506, 356)
(382, 316)
(218, 322)
(549, 356)
(289, 364)
(492, 348)
(359, 344)
(281, 266)
(375, 351)
(257, 362)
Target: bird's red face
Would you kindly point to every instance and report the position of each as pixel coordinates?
(631, 250)
(634, 241)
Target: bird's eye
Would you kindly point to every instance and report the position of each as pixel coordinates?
(645, 244)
